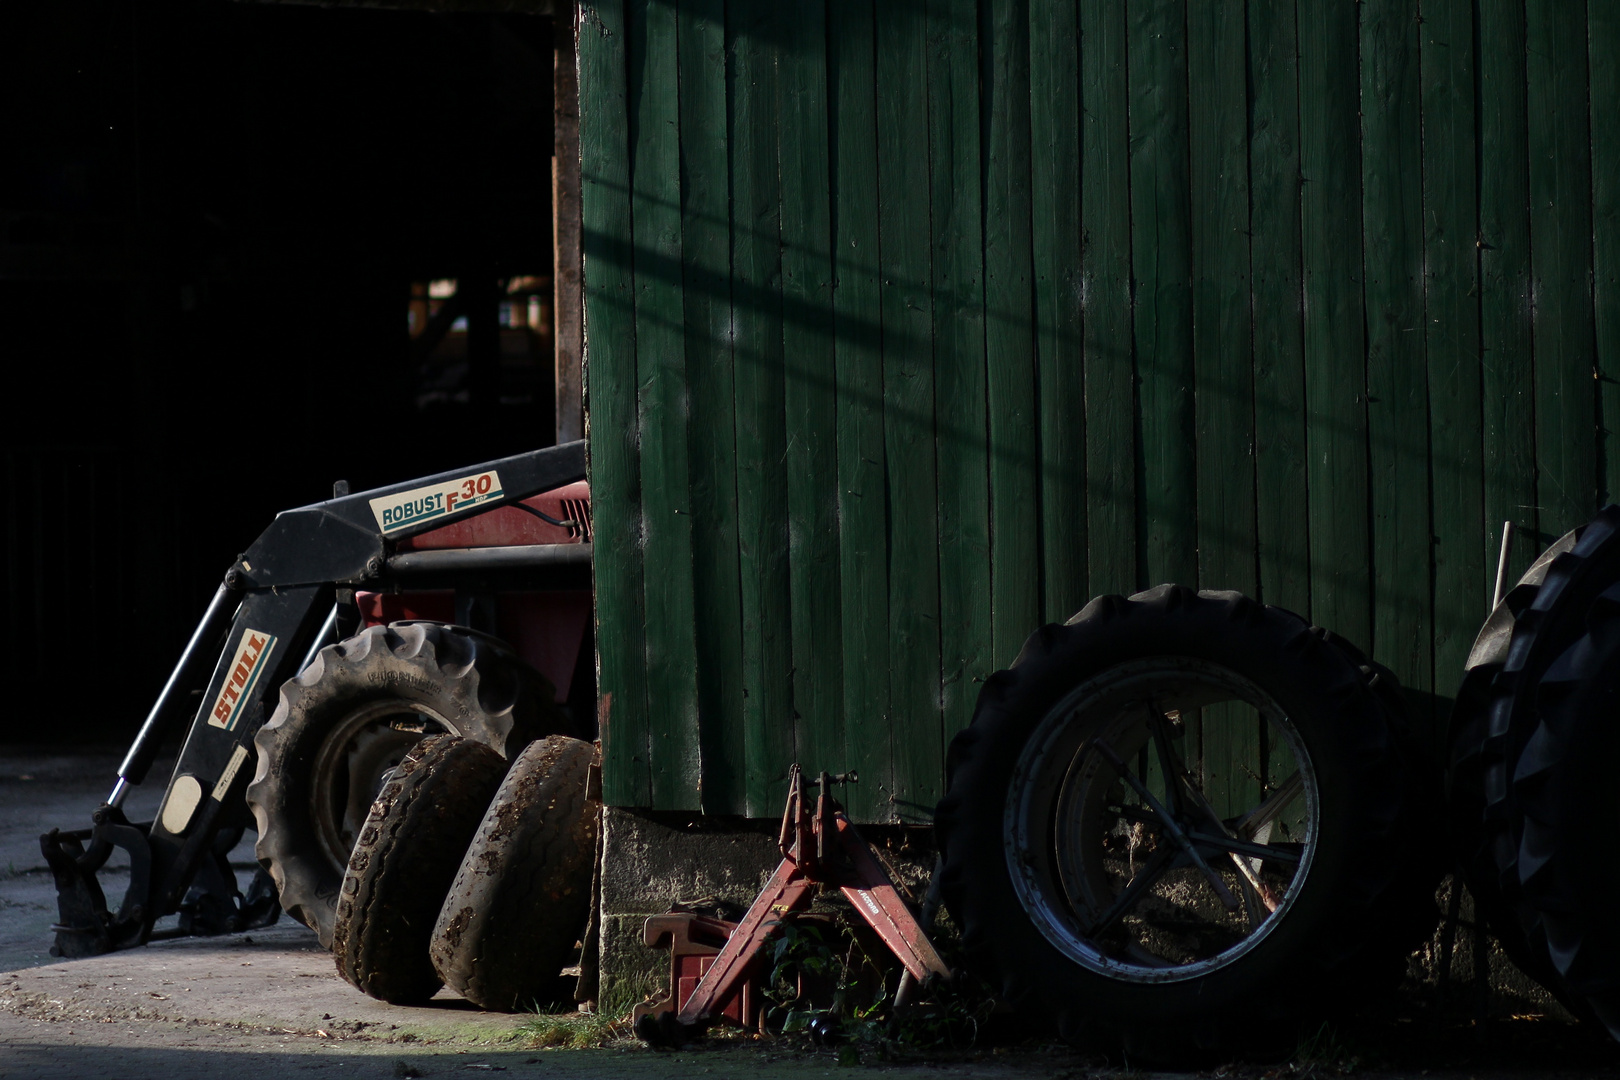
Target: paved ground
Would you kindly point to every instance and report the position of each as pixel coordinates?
(40, 791)
(269, 1004)
(269, 992)
(39, 1049)
(264, 1004)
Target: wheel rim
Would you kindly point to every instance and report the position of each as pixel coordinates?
(355, 761)
(1162, 819)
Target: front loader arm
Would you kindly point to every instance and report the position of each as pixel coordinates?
(347, 539)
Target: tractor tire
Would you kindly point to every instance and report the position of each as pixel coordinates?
(1569, 851)
(1553, 622)
(1040, 840)
(1465, 772)
(1421, 866)
(350, 717)
(521, 898)
(403, 863)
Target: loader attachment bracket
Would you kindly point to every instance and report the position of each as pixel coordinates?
(85, 926)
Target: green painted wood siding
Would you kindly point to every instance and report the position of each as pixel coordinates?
(912, 324)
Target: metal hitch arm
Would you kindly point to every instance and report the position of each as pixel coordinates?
(818, 848)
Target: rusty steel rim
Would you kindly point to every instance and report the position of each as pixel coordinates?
(1162, 820)
(354, 762)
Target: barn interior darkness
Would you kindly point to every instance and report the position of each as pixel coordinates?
(213, 219)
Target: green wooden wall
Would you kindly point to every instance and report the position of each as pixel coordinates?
(912, 324)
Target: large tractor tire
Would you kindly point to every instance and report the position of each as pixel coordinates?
(1569, 848)
(1471, 842)
(1420, 866)
(1554, 620)
(349, 718)
(1180, 825)
(522, 895)
(401, 868)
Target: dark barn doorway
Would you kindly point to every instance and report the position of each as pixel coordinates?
(247, 250)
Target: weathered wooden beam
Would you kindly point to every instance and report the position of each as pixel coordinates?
(569, 305)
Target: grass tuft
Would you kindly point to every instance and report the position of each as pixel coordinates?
(571, 1031)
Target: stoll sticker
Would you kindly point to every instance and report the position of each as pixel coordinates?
(406, 508)
(252, 657)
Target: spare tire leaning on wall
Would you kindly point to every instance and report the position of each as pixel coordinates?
(344, 722)
(1181, 824)
(521, 896)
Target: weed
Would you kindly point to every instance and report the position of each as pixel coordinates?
(1325, 1050)
(825, 983)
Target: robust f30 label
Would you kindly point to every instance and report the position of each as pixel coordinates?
(407, 508)
(249, 662)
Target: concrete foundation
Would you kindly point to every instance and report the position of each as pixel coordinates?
(651, 862)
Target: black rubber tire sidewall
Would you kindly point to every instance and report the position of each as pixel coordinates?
(1320, 950)
(1470, 840)
(1569, 848)
(1542, 633)
(522, 894)
(1421, 866)
(403, 863)
(482, 691)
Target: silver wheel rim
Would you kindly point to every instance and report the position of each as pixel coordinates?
(1162, 819)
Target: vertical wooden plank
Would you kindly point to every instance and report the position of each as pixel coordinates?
(810, 391)
(1279, 359)
(1014, 440)
(863, 520)
(610, 387)
(1054, 119)
(1161, 257)
(908, 405)
(1230, 744)
(1603, 52)
(1110, 375)
(1561, 261)
(1335, 367)
(1506, 339)
(567, 306)
(661, 380)
(1450, 238)
(1397, 386)
(959, 365)
(1221, 327)
(761, 482)
(706, 315)
(1218, 163)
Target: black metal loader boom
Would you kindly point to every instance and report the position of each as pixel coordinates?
(287, 596)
